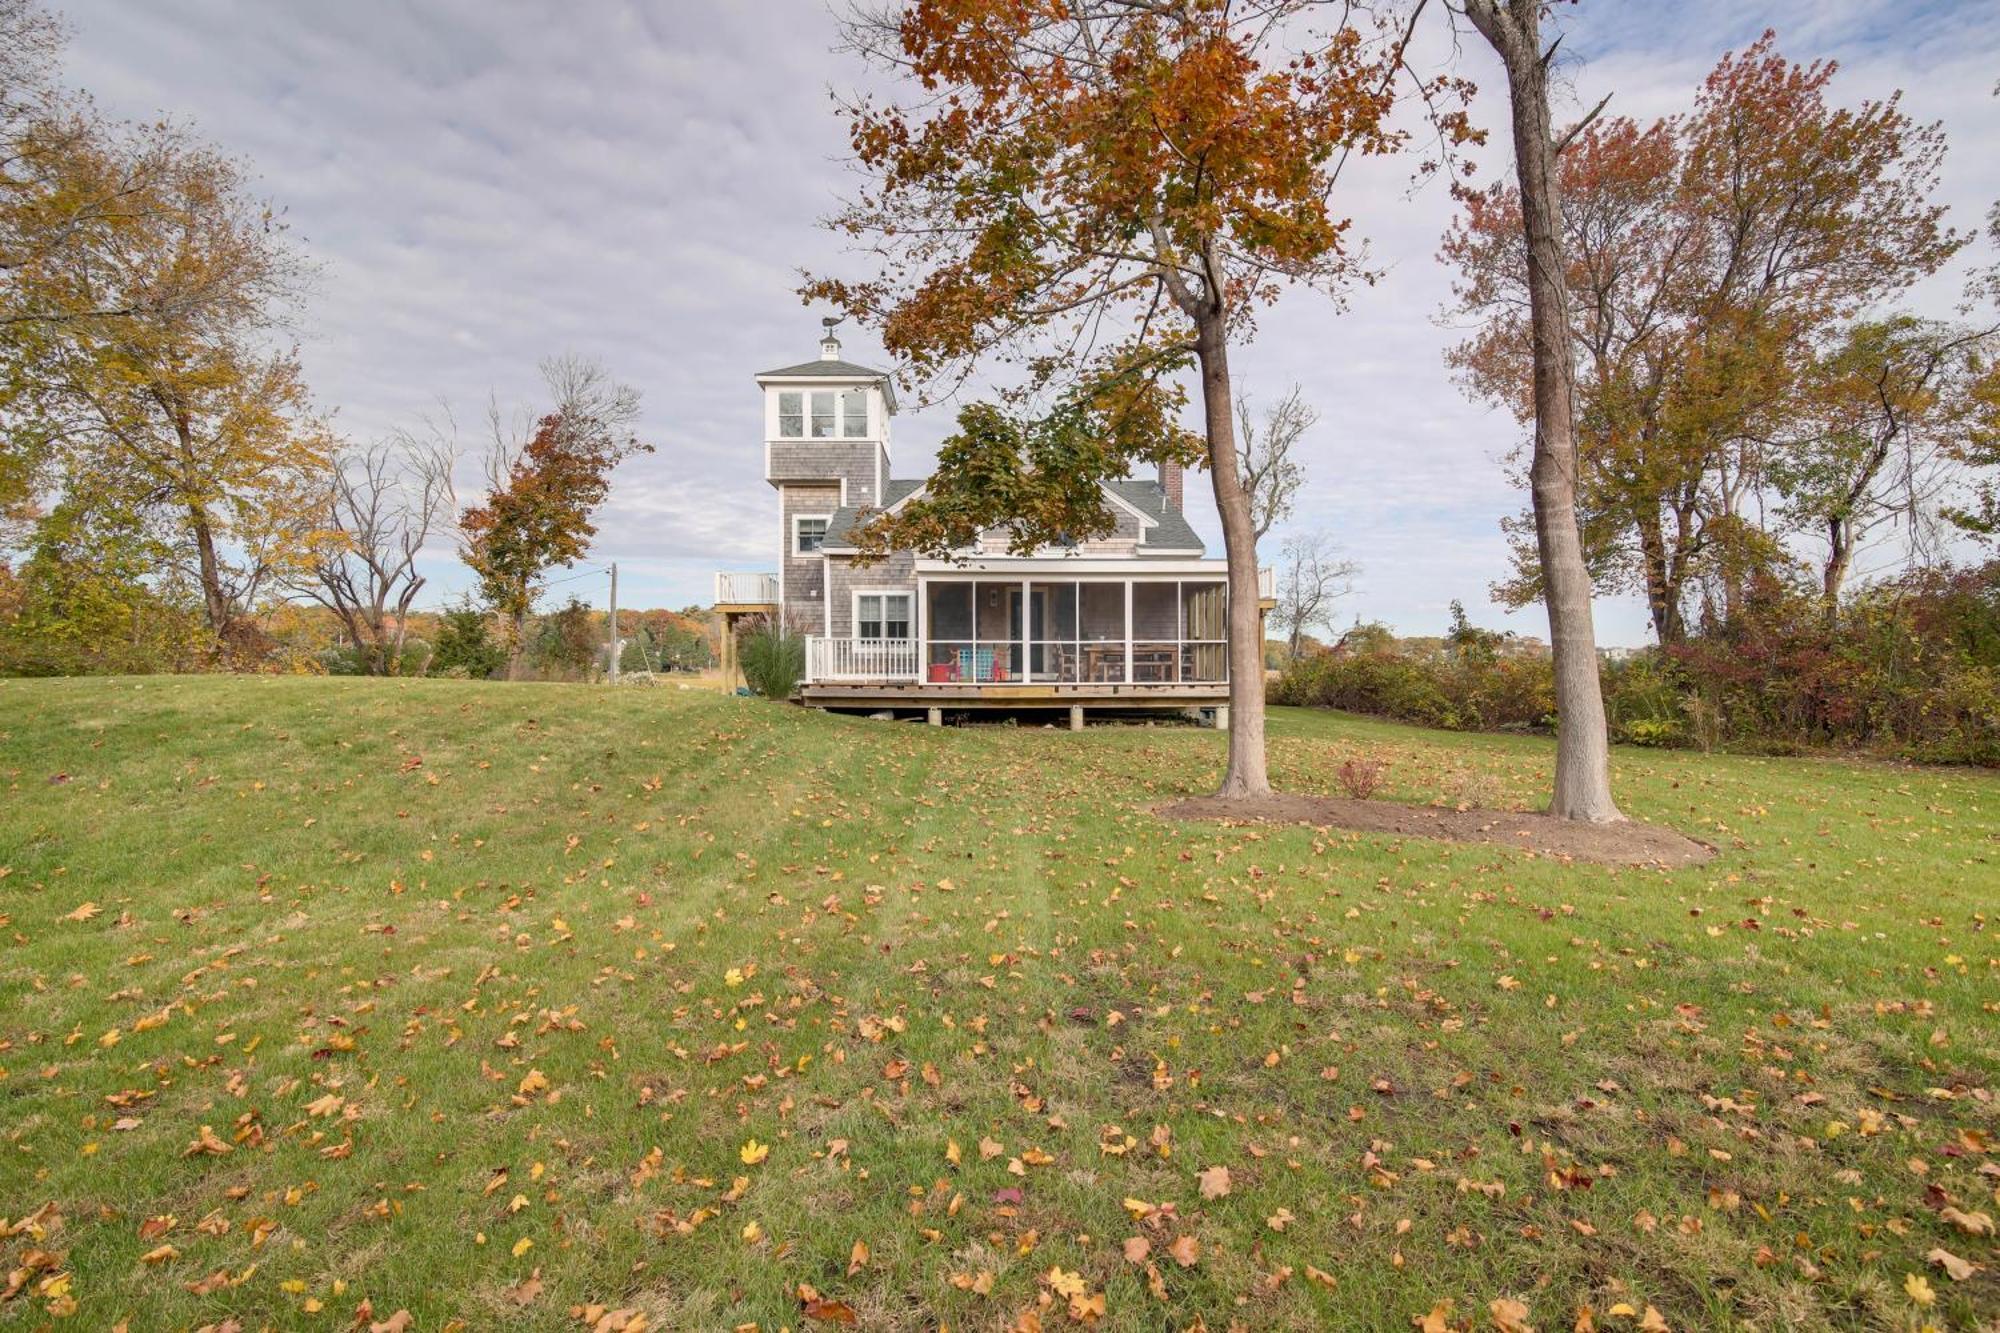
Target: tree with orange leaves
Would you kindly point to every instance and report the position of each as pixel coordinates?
(1715, 260)
(1100, 193)
(544, 492)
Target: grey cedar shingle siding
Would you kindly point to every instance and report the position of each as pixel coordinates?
(805, 574)
(828, 460)
(896, 572)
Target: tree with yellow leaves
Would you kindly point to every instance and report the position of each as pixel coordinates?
(159, 352)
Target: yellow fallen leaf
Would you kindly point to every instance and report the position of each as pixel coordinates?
(754, 1152)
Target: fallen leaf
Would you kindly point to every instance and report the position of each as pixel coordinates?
(1956, 1268)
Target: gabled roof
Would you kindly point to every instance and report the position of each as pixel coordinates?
(1169, 530)
(847, 517)
(1165, 532)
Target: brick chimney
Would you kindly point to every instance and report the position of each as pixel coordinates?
(1170, 482)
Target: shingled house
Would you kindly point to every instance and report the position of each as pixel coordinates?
(1132, 620)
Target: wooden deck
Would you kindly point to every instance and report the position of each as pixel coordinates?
(961, 697)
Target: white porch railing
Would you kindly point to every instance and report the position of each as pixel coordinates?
(1267, 583)
(745, 589)
(860, 659)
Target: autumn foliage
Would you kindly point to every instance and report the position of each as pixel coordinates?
(1714, 258)
(539, 513)
(1096, 196)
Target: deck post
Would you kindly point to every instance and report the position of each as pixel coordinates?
(1076, 717)
(728, 653)
(1222, 717)
(934, 716)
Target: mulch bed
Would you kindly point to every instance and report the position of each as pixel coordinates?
(1629, 843)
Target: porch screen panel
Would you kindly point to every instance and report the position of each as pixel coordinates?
(1053, 653)
(1205, 632)
(997, 631)
(947, 630)
(1156, 648)
(1101, 631)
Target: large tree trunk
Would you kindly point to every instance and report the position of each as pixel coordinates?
(1246, 775)
(215, 601)
(1582, 788)
(1663, 589)
(1839, 556)
(518, 647)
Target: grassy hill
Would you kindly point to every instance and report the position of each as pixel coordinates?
(486, 1002)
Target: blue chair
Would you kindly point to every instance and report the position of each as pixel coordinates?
(975, 664)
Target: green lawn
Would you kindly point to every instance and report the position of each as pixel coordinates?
(474, 983)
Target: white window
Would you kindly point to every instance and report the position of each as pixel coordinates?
(882, 615)
(808, 533)
(854, 414)
(792, 415)
(822, 414)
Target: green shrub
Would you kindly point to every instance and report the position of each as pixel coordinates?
(567, 645)
(1909, 667)
(465, 646)
(773, 661)
(347, 659)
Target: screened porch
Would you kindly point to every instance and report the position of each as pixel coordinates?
(1104, 631)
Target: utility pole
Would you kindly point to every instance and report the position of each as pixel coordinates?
(614, 622)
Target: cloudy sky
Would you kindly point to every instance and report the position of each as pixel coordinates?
(490, 181)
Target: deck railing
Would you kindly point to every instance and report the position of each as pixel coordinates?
(860, 659)
(733, 589)
(1267, 583)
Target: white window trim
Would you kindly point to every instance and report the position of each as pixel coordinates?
(867, 414)
(777, 426)
(797, 552)
(854, 610)
(834, 394)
